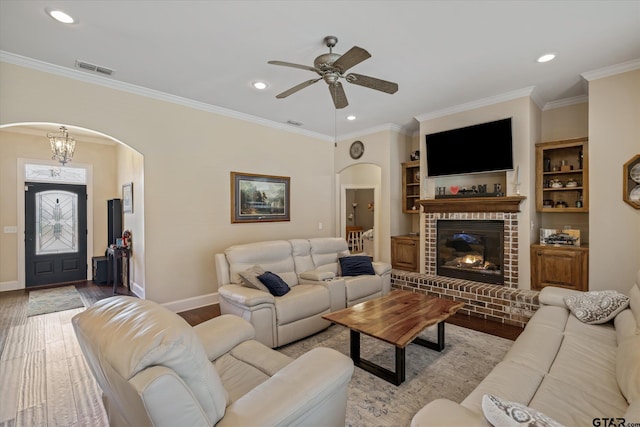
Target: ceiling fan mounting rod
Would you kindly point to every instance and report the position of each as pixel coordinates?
(330, 42)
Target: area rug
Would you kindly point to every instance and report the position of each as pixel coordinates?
(453, 373)
(51, 300)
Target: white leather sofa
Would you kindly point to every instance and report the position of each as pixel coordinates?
(311, 269)
(155, 369)
(575, 373)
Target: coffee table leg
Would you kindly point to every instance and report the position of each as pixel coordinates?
(395, 378)
(438, 346)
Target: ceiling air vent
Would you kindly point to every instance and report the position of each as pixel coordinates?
(94, 68)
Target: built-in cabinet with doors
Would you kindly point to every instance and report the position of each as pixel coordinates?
(404, 252)
(562, 187)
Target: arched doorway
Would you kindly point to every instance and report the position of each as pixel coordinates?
(107, 162)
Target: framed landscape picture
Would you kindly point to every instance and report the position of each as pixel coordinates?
(259, 198)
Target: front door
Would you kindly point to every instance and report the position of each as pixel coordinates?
(55, 233)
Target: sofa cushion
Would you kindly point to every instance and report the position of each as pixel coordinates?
(356, 265)
(359, 287)
(301, 302)
(325, 252)
(274, 256)
(597, 306)
(504, 413)
(250, 278)
(274, 283)
(628, 368)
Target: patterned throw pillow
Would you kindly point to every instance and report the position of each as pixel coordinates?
(597, 306)
(250, 278)
(502, 413)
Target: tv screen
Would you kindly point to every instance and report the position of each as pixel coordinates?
(485, 147)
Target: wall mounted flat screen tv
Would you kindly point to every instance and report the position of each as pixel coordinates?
(486, 147)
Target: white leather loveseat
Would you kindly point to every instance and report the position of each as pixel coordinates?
(575, 373)
(310, 267)
(154, 369)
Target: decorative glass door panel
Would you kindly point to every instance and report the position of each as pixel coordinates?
(56, 222)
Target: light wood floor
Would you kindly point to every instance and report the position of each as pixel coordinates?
(44, 380)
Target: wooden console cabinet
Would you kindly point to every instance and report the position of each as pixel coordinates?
(566, 267)
(405, 252)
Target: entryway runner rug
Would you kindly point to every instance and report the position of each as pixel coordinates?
(467, 358)
(51, 300)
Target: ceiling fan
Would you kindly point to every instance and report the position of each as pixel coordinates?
(331, 68)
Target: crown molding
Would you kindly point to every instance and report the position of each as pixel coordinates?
(580, 99)
(508, 96)
(611, 70)
(391, 127)
(150, 93)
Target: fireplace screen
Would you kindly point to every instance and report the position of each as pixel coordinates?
(471, 250)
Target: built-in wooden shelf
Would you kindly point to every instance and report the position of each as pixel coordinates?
(473, 204)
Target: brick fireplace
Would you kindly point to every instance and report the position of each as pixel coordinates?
(503, 303)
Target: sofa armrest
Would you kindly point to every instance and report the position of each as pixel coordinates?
(444, 412)
(552, 295)
(164, 409)
(245, 296)
(317, 379)
(220, 334)
(381, 268)
(317, 275)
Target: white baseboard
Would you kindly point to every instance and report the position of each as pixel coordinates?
(137, 290)
(10, 286)
(192, 303)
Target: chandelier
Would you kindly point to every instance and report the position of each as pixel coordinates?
(62, 146)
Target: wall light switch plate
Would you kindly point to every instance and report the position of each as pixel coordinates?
(10, 229)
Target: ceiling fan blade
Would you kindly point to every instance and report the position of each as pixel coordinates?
(352, 57)
(338, 95)
(372, 83)
(296, 88)
(289, 64)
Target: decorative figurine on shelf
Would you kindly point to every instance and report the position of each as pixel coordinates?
(580, 159)
(415, 155)
(126, 239)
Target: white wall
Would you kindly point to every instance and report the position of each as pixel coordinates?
(614, 138)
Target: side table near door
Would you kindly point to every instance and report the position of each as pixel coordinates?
(115, 256)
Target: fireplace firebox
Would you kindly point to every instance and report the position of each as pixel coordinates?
(471, 250)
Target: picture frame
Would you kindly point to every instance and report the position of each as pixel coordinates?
(259, 198)
(127, 198)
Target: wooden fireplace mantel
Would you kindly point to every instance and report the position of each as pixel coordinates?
(473, 204)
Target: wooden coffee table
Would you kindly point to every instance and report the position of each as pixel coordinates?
(396, 318)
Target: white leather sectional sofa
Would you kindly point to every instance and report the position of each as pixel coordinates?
(576, 373)
(311, 269)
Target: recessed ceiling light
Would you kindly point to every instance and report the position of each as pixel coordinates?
(351, 117)
(259, 85)
(61, 16)
(547, 57)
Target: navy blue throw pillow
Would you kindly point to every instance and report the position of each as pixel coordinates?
(356, 265)
(274, 283)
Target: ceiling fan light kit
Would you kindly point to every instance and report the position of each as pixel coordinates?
(331, 68)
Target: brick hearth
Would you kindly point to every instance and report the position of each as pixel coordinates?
(492, 302)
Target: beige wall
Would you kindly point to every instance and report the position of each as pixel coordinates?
(614, 137)
(18, 145)
(521, 111)
(188, 155)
